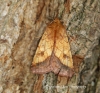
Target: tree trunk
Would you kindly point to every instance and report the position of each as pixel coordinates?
(22, 23)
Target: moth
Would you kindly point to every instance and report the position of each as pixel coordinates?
(53, 53)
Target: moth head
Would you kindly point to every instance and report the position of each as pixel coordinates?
(57, 20)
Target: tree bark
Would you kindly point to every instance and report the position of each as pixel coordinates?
(22, 23)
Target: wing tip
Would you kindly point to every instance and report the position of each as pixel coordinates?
(62, 70)
(67, 73)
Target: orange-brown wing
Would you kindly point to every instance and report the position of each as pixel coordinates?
(53, 52)
(41, 60)
(62, 47)
(44, 48)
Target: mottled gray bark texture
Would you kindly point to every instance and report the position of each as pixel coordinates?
(22, 23)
